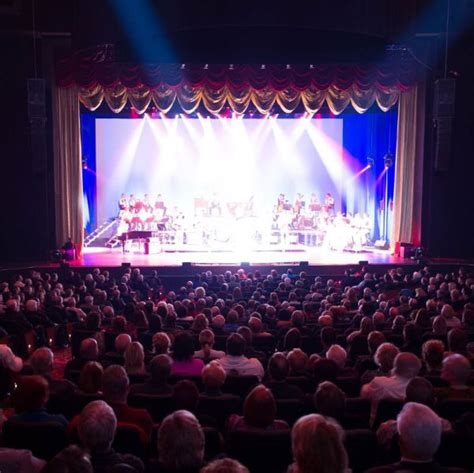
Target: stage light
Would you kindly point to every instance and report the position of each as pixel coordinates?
(370, 161)
(388, 160)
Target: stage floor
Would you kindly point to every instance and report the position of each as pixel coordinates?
(313, 255)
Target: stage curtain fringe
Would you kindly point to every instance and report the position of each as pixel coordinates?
(67, 165)
(214, 99)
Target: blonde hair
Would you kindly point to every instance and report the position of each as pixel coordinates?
(317, 445)
(134, 358)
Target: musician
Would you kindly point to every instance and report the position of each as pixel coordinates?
(122, 202)
(159, 203)
(214, 205)
(131, 202)
(329, 201)
(281, 203)
(299, 203)
(146, 203)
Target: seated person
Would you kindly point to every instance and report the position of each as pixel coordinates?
(135, 360)
(70, 459)
(96, 427)
(235, 361)
(115, 386)
(30, 399)
(259, 413)
(160, 371)
(42, 362)
(206, 341)
(419, 430)
(432, 352)
(184, 362)
(456, 371)
(10, 366)
(88, 351)
(337, 354)
(330, 401)
(317, 440)
(180, 444)
(278, 369)
(122, 341)
(213, 378)
(384, 357)
(90, 379)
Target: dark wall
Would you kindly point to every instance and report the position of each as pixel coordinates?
(449, 195)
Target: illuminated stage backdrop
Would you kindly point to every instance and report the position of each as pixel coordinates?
(184, 158)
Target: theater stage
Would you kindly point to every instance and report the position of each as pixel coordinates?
(314, 256)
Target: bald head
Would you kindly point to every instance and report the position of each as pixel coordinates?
(89, 349)
(122, 342)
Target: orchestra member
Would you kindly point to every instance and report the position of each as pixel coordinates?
(298, 203)
(131, 202)
(122, 202)
(329, 201)
(281, 203)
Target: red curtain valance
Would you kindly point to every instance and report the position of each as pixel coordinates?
(95, 68)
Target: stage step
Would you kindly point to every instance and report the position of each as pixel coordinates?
(99, 231)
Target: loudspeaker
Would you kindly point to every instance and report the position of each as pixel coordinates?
(444, 97)
(363, 263)
(245, 263)
(186, 264)
(407, 250)
(36, 98)
(126, 265)
(443, 113)
(64, 266)
(304, 264)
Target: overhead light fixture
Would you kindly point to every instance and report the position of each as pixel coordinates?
(370, 161)
(388, 160)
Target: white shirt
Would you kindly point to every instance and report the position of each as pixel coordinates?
(243, 365)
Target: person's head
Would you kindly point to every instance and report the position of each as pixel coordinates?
(180, 442)
(119, 324)
(292, 339)
(278, 367)
(213, 375)
(325, 370)
(115, 384)
(457, 340)
(90, 380)
(432, 353)
(41, 361)
(317, 445)
(439, 325)
(200, 323)
(456, 370)
(89, 349)
(70, 460)
(337, 354)
(93, 321)
(122, 341)
(235, 345)
(31, 394)
(406, 365)
(297, 318)
(97, 426)
(160, 369)
(298, 361)
(255, 325)
(206, 338)
(419, 390)
(225, 465)
(366, 325)
(329, 400)
(134, 358)
(161, 343)
(31, 305)
(185, 395)
(218, 321)
(374, 340)
(183, 348)
(447, 312)
(259, 407)
(419, 431)
(385, 356)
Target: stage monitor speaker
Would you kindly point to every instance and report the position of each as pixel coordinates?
(126, 265)
(36, 98)
(64, 266)
(304, 264)
(363, 263)
(186, 264)
(245, 263)
(407, 250)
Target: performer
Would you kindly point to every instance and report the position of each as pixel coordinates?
(329, 201)
(299, 203)
(159, 203)
(146, 203)
(122, 202)
(281, 203)
(131, 202)
(214, 206)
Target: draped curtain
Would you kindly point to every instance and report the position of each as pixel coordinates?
(406, 224)
(190, 98)
(67, 165)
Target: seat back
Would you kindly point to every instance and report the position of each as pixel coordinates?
(128, 440)
(44, 439)
(289, 410)
(239, 385)
(387, 409)
(219, 408)
(358, 406)
(452, 409)
(360, 446)
(261, 451)
(158, 406)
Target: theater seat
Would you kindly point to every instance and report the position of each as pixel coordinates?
(129, 439)
(387, 409)
(289, 410)
(361, 445)
(455, 450)
(452, 409)
(239, 385)
(44, 439)
(219, 408)
(261, 451)
(359, 406)
(158, 406)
